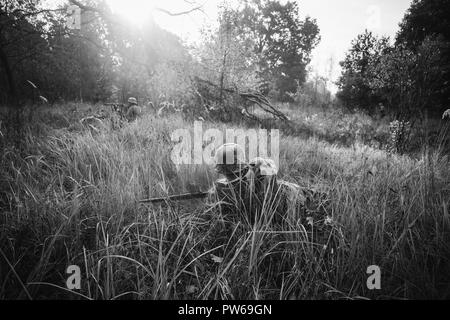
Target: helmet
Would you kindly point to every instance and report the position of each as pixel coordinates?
(229, 159)
(132, 100)
(264, 167)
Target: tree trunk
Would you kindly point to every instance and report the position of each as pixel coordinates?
(222, 77)
(12, 100)
(12, 92)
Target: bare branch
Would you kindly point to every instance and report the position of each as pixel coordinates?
(253, 97)
(35, 13)
(174, 14)
(85, 7)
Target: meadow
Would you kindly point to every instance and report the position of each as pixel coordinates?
(70, 197)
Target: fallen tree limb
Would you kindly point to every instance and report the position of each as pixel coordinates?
(255, 98)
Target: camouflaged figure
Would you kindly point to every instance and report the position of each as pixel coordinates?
(251, 191)
(133, 111)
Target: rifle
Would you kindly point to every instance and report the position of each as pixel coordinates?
(178, 197)
(118, 108)
(115, 105)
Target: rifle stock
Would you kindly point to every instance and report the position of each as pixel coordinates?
(178, 197)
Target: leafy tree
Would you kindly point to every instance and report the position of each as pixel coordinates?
(140, 52)
(37, 46)
(423, 19)
(412, 76)
(410, 82)
(20, 43)
(355, 82)
(430, 19)
(225, 58)
(225, 61)
(79, 64)
(282, 42)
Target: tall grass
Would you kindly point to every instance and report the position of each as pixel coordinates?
(71, 198)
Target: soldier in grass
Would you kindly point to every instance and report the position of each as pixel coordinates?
(251, 191)
(132, 111)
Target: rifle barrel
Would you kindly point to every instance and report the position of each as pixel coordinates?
(178, 197)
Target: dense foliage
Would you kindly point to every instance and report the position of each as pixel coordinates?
(283, 42)
(410, 77)
(261, 45)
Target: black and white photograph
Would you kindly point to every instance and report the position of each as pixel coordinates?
(236, 152)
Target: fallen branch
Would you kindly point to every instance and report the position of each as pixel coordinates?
(255, 98)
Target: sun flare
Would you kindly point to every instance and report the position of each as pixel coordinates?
(135, 11)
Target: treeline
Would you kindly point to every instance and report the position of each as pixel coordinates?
(261, 45)
(105, 57)
(408, 78)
